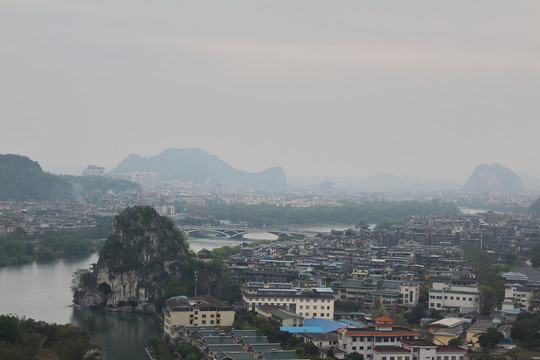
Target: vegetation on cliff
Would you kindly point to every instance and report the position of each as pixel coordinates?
(25, 339)
(143, 262)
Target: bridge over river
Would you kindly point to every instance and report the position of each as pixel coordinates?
(236, 233)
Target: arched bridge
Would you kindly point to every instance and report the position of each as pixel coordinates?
(233, 233)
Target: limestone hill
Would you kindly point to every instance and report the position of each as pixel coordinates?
(142, 253)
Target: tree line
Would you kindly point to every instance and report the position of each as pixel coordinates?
(349, 213)
(20, 247)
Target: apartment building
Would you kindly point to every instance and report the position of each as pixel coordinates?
(454, 296)
(196, 311)
(313, 303)
(392, 293)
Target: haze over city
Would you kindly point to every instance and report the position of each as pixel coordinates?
(424, 89)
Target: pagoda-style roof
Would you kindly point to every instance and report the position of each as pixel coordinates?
(384, 320)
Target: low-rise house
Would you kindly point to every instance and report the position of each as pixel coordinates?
(382, 333)
(446, 329)
(321, 340)
(417, 350)
(476, 330)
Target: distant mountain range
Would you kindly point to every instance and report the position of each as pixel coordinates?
(23, 179)
(195, 165)
(383, 181)
(493, 178)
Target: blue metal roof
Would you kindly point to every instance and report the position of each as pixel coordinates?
(301, 329)
(326, 325)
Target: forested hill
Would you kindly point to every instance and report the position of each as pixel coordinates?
(23, 179)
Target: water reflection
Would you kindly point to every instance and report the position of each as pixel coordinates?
(121, 335)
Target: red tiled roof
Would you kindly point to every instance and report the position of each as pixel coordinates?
(383, 319)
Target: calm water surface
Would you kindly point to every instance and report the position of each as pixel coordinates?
(41, 291)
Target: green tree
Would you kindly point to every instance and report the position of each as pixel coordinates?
(346, 306)
(456, 342)
(490, 338)
(487, 299)
(354, 356)
(534, 254)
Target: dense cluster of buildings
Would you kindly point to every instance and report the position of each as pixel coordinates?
(303, 284)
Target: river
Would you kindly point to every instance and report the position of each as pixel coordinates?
(41, 291)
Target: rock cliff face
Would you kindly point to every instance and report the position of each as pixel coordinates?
(493, 178)
(143, 251)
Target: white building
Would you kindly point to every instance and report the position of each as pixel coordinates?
(517, 297)
(382, 334)
(315, 303)
(454, 296)
(196, 311)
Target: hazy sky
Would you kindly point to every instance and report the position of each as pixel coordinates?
(412, 88)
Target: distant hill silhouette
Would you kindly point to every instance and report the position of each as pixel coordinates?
(195, 165)
(23, 179)
(493, 178)
(383, 181)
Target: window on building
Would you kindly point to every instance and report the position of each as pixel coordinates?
(204, 322)
(307, 314)
(307, 306)
(301, 306)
